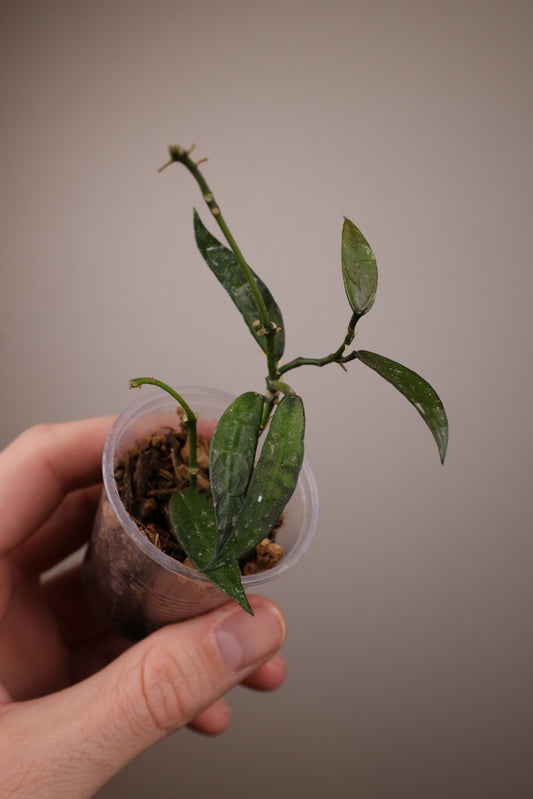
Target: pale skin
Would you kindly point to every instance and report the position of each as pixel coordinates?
(77, 703)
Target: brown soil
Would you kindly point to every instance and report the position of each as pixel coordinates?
(151, 473)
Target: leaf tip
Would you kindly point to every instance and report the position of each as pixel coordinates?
(443, 445)
(247, 607)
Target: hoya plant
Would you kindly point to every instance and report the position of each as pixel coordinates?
(250, 483)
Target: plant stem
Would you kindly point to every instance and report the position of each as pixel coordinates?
(182, 156)
(278, 386)
(335, 357)
(189, 421)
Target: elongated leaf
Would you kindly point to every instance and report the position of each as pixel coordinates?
(359, 270)
(273, 480)
(418, 392)
(228, 579)
(193, 521)
(226, 268)
(231, 459)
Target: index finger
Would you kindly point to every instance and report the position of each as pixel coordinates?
(40, 467)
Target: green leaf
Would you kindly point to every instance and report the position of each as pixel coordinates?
(231, 459)
(273, 480)
(228, 579)
(227, 270)
(193, 521)
(418, 392)
(359, 270)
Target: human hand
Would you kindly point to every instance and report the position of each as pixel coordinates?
(77, 703)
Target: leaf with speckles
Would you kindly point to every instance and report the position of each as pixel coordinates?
(193, 522)
(231, 459)
(226, 268)
(418, 392)
(228, 579)
(273, 481)
(359, 269)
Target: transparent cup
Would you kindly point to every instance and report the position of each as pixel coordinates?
(133, 586)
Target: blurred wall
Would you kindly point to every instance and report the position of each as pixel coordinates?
(409, 645)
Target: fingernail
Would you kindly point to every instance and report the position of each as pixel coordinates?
(245, 640)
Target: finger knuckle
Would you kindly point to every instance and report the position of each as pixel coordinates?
(171, 687)
(39, 435)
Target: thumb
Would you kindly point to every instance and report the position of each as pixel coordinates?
(78, 739)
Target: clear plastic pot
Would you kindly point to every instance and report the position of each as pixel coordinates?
(133, 586)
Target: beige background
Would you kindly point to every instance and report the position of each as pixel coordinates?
(410, 643)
